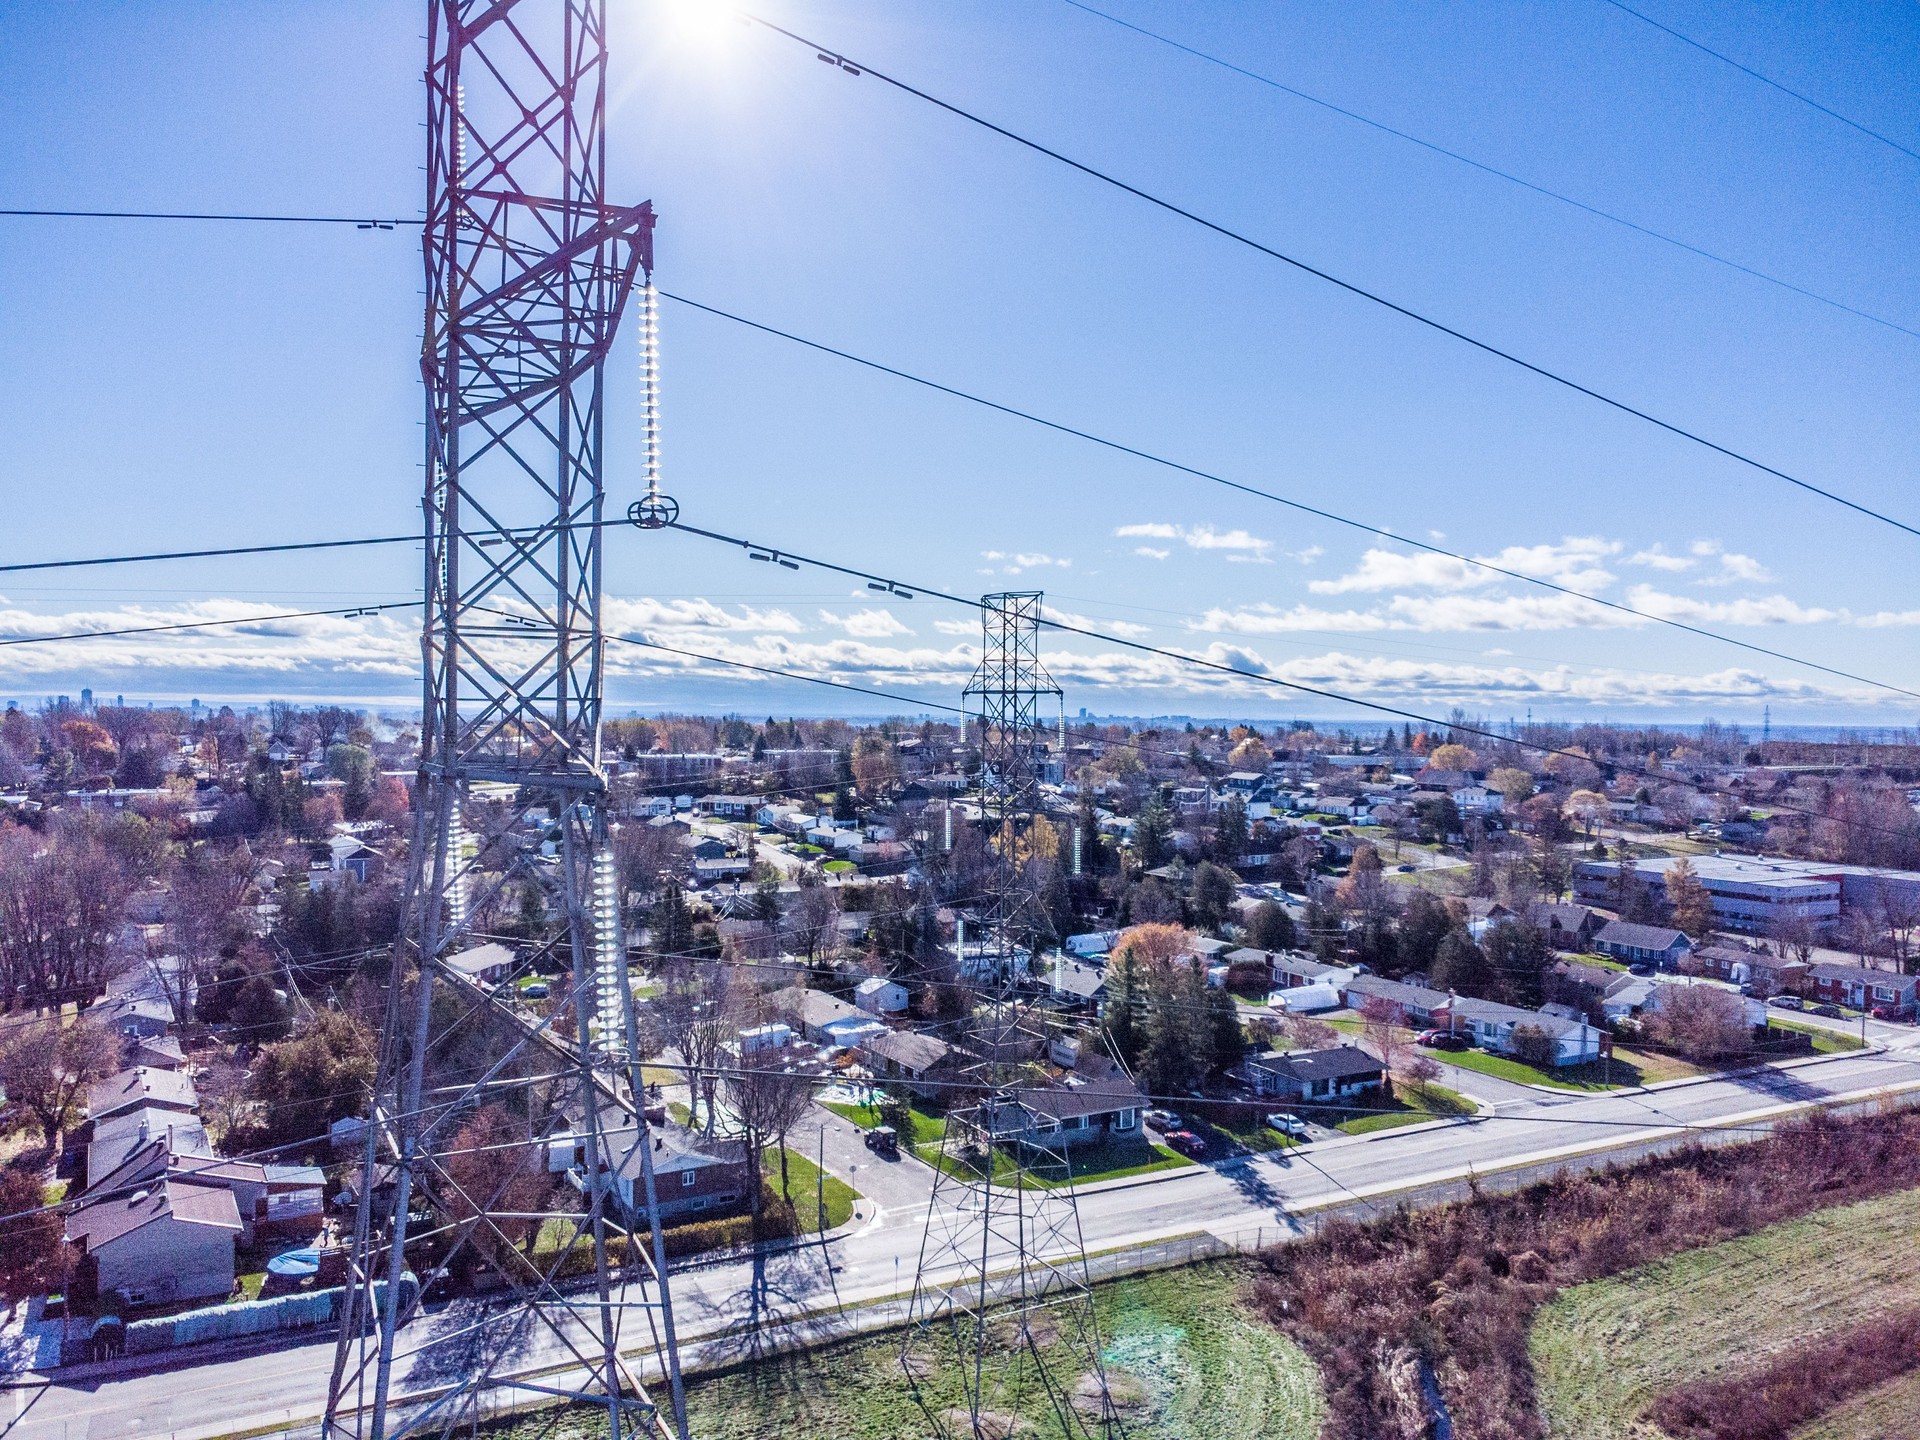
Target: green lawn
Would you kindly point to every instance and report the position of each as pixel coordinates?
(838, 867)
(1181, 1355)
(1109, 1160)
(928, 1128)
(250, 1284)
(804, 1192)
(1408, 1105)
(1825, 1042)
(1602, 1352)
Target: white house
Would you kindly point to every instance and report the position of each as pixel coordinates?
(880, 996)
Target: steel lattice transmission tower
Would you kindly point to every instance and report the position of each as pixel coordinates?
(528, 269)
(1002, 1290)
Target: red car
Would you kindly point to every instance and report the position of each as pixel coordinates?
(1187, 1143)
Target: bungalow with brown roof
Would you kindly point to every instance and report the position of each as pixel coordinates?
(142, 1088)
(1071, 1113)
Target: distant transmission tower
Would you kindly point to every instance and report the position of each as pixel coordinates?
(528, 268)
(1002, 1293)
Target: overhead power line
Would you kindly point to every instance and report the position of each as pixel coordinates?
(1057, 426)
(1494, 170)
(1766, 80)
(859, 67)
(1299, 505)
(344, 612)
(793, 559)
(352, 220)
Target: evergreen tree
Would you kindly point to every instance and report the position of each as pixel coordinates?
(1462, 966)
(1230, 835)
(1271, 927)
(1120, 1020)
(1228, 1040)
(1152, 834)
(672, 923)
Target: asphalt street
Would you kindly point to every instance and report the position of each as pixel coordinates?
(1258, 1198)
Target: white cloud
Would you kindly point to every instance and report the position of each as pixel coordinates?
(957, 627)
(1732, 567)
(1888, 619)
(1574, 561)
(1396, 570)
(1124, 628)
(1267, 620)
(1755, 610)
(1013, 562)
(867, 624)
(1241, 545)
(647, 613)
(1151, 553)
(1501, 612)
(1655, 557)
(1308, 555)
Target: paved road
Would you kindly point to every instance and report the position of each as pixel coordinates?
(1262, 1195)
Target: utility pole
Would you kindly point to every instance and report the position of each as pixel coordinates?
(1002, 1290)
(528, 269)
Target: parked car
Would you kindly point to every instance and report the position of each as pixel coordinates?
(883, 1140)
(1642, 968)
(1406, 869)
(1832, 1012)
(1286, 1123)
(536, 990)
(1186, 1142)
(1787, 1002)
(1163, 1120)
(1442, 1040)
(1885, 1012)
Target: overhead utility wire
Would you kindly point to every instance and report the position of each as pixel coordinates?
(1487, 347)
(1494, 171)
(354, 221)
(1768, 81)
(1302, 506)
(211, 554)
(1018, 414)
(345, 612)
(794, 560)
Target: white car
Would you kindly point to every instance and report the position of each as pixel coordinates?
(1287, 1123)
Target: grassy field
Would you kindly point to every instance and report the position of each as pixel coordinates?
(1886, 1412)
(1186, 1362)
(1603, 1351)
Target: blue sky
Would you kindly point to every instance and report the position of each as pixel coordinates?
(179, 385)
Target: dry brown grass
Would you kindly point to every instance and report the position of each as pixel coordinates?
(1458, 1285)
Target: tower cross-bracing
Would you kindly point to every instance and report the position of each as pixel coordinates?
(1002, 1289)
(504, 1252)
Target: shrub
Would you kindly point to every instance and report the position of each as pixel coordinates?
(1774, 1401)
(1457, 1285)
(1533, 1046)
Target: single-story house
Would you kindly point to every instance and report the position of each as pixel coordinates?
(142, 1088)
(132, 1016)
(486, 964)
(728, 807)
(691, 1172)
(924, 1064)
(1585, 987)
(1642, 944)
(878, 995)
(1491, 1026)
(1094, 942)
(1314, 1074)
(1628, 999)
(1417, 1004)
(715, 872)
(1863, 989)
(1565, 927)
(171, 1242)
(1073, 1112)
(1076, 984)
(824, 1019)
(296, 1200)
(1765, 972)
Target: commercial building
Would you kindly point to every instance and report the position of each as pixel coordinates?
(1753, 894)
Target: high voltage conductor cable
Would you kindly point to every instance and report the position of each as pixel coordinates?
(1486, 347)
(1028, 416)
(794, 560)
(1492, 170)
(343, 612)
(1122, 448)
(1766, 80)
(211, 554)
